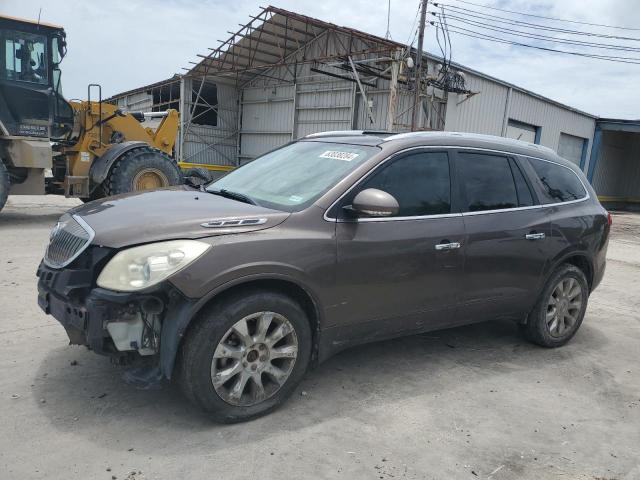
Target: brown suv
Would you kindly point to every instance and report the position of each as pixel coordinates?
(337, 239)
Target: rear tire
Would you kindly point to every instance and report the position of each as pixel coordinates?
(143, 168)
(215, 358)
(559, 312)
(5, 184)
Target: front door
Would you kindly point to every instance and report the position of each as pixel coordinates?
(506, 234)
(400, 274)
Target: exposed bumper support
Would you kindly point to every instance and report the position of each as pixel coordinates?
(89, 316)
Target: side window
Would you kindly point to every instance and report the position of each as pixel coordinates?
(558, 183)
(525, 199)
(420, 182)
(487, 182)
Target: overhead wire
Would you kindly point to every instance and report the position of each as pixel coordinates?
(509, 31)
(482, 36)
(548, 17)
(513, 21)
(494, 28)
(388, 34)
(412, 33)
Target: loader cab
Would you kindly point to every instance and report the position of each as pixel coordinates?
(31, 101)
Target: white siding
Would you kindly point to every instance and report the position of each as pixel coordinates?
(480, 113)
(487, 111)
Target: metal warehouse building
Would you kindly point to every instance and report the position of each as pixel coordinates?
(284, 75)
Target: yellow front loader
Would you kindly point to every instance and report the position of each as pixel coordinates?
(113, 152)
(91, 148)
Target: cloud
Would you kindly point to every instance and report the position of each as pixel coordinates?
(124, 44)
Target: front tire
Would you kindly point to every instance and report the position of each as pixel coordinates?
(245, 355)
(560, 310)
(143, 168)
(5, 184)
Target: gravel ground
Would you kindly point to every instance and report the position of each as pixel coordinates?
(464, 403)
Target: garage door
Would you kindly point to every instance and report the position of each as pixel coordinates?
(571, 147)
(521, 131)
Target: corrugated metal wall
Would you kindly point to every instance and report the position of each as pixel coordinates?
(274, 112)
(267, 119)
(481, 113)
(485, 113)
(136, 102)
(323, 105)
(618, 169)
(207, 144)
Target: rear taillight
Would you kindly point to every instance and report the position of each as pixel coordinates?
(609, 218)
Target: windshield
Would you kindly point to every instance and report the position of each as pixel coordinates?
(294, 176)
(23, 57)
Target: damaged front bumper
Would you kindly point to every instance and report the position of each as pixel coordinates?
(125, 326)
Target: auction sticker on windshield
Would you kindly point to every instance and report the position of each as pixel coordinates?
(336, 155)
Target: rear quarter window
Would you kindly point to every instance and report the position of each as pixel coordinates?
(557, 183)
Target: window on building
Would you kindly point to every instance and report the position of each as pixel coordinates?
(558, 183)
(523, 131)
(206, 105)
(487, 182)
(165, 97)
(420, 182)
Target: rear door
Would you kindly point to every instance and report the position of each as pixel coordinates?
(401, 274)
(506, 232)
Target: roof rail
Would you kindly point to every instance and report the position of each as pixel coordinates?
(349, 133)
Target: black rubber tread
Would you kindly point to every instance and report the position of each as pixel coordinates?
(535, 330)
(194, 361)
(5, 184)
(124, 170)
(197, 176)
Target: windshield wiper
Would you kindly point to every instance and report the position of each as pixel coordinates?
(241, 197)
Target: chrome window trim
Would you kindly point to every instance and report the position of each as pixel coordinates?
(445, 215)
(92, 235)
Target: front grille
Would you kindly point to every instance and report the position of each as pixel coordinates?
(68, 239)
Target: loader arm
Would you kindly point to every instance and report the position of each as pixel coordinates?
(164, 138)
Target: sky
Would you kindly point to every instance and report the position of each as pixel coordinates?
(125, 44)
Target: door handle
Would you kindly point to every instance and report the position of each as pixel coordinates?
(448, 246)
(534, 236)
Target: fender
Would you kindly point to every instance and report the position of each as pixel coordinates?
(181, 316)
(101, 165)
(559, 259)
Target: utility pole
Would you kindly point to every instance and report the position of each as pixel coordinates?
(416, 99)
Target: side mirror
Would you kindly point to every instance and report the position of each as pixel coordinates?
(374, 203)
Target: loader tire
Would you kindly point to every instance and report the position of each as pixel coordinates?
(5, 184)
(143, 168)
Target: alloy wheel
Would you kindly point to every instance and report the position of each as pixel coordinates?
(563, 308)
(254, 358)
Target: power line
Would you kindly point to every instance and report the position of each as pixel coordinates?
(388, 34)
(509, 31)
(511, 21)
(548, 18)
(482, 36)
(414, 31)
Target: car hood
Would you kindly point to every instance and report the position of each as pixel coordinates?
(171, 213)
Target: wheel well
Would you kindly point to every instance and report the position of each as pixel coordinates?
(583, 264)
(284, 287)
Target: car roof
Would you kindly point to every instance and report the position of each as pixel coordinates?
(437, 138)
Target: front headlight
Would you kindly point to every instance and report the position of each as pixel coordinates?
(141, 267)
